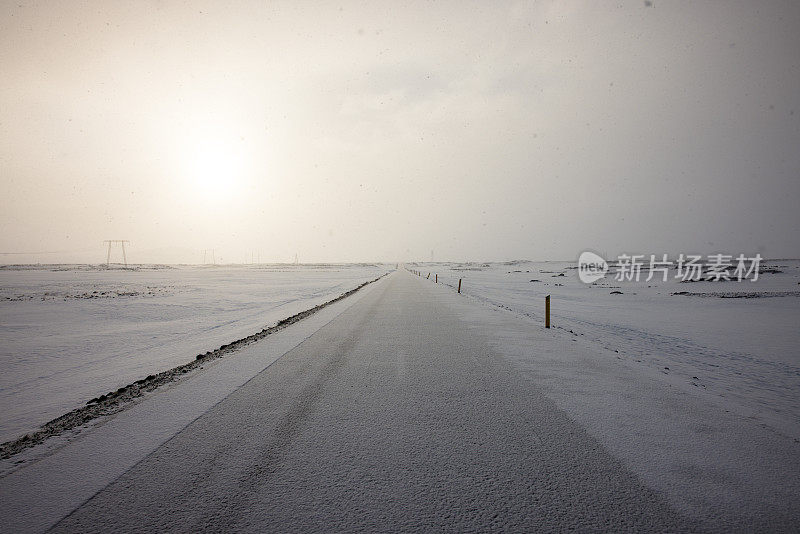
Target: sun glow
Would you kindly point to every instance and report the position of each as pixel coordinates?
(215, 170)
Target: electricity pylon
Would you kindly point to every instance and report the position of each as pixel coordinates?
(121, 242)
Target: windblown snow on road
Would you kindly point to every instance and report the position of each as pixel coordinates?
(739, 342)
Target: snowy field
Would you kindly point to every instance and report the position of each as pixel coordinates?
(71, 333)
(739, 342)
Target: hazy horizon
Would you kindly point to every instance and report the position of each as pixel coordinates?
(349, 132)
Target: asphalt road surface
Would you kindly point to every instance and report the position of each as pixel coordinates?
(393, 417)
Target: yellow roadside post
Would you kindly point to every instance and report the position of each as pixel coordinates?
(547, 311)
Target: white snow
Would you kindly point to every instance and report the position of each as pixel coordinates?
(71, 334)
(745, 352)
(707, 453)
(719, 456)
(59, 477)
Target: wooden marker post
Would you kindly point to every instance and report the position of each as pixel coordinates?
(547, 311)
(437, 279)
(459, 285)
(428, 277)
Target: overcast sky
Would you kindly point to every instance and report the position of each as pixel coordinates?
(345, 131)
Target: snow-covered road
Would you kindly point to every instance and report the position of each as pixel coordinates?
(411, 408)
